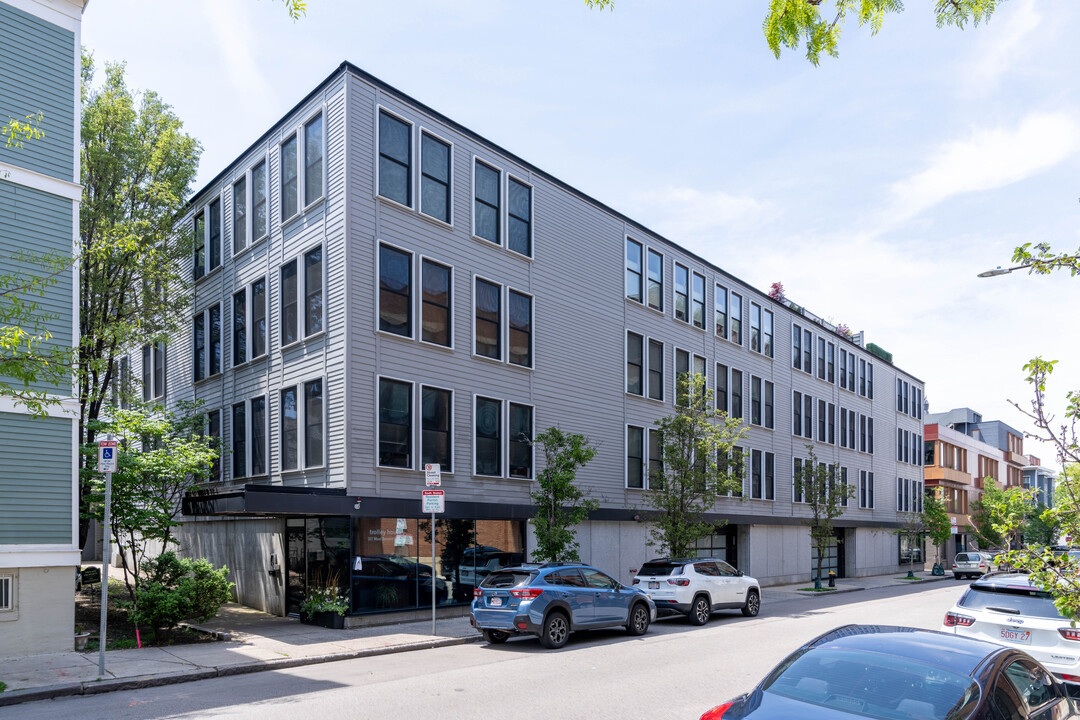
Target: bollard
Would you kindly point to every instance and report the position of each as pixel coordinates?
(832, 579)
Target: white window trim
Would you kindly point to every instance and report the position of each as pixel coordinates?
(771, 355)
(301, 425)
(742, 325)
(410, 181)
(418, 430)
(727, 312)
(532, 216)
(248, 307)
(413, 284)
(532, 326)
(794, 499)
(204, 210)
(648, 368)
(414, 434)
(797, 405)
(301, 296)
(156, 393)
(301, 159)
(643, 259)
(831, 345)
(419, 284)
(207, 375)
(762, 381)
(249, 200)
(644, 365)
(499, 217)
(674, 292)
(675, 370)
(644, 457)
(704, 327)
(532, 438)
(503, 424)
(663, 280)
(421, 131)
(246, 402)
(502, 320)
(12, 581)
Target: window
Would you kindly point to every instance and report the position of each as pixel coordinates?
(808, 352)
(821, 420)
(721, 387)
(519, 336)
(239, 328)
(486, 182)
(488, 320)
(395, 423)
(769, 405)
(435, 176)
(633, 270)
(755, 400)
(206, 346)
(656, 280)
(656, 459)
(899, 395)
(798, 489)
(905, 397)
(435, 322)
(843, 429)
(808, 417)
(862, 433)
(831, 412)
(7, 593)
(313, 292)
(213, 431)
(736, 394)
(796, 411)
(258, 201)
(239, 441)
(634, 363)
(395, 291)
(830, 366)
(313, 423)
(851, 429)
(755, 474)
(288, 178)
(395, 159)
(796, 347)
(918, 403)
(635, 457)
(767, 333)
(239, 218)
(862, 377)
(899, 445)
(870, 380)
(736, 319)
(656, 370)
(870, 435)
(697, 310)
(289, 429)
(682, 381)
(519, 453)
(436, 426)
(153, 372)
(866, 489)
(257, 442)
(700, 369)
(313, 159)
(770, 476)
(851, 372)
(843, 368)
(720, 310)
(519, 216)
(488, 437)
(842, 484)
(207, 242)
(682, 293)
(821, 358)
(290, 332)
(755, 327)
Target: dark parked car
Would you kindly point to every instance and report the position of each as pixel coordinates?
(382, 584)
(898, 673)
(551, 600)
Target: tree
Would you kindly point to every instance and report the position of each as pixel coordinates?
(696, 441)
(176, 589)
(163, 455)
(826, 496)
(1040, 527)
(560, 504)
(137, 169)
(935, 518)
(791, 23)
(999, 515)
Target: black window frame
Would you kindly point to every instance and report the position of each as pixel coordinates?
(432, 182)
(393, 295)
(514, 217)
(514, 329)
(400, 454)
(487, 320)
(436, 302)
(383, 158)
(495, 208)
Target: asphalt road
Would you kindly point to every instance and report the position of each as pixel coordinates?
(674, 671)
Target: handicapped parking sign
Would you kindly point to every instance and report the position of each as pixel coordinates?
(107, 456)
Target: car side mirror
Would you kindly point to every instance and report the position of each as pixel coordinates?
(738, 573)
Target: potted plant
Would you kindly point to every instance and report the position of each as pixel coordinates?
(81, 638)
(325, 604)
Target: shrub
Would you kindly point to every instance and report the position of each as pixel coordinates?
(178, 589)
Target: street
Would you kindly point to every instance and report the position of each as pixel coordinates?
(674, 671)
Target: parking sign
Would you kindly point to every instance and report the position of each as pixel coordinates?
(107, 456)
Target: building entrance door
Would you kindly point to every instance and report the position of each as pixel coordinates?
(295, 565)
(832, 560)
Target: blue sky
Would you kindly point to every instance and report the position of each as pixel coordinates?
(875, 187)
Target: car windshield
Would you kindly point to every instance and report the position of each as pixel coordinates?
(650, 568)
(505, 579)
(874, 685)
(1012, 600)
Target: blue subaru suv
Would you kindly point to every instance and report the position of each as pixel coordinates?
(551, 600)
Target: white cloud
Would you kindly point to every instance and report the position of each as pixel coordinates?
(685, 214)
(1002, 45)
(231, 25)
(988, 158)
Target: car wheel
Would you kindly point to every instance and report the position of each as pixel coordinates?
(639, 620)
(700, 611)
(556, 631)
(753, 604)
(496, 637)
(957, 576)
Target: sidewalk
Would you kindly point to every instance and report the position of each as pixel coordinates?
(258, 641)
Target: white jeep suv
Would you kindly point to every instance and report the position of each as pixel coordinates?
(697, 587)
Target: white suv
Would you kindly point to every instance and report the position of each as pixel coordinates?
(697, 587)
(1006, 609)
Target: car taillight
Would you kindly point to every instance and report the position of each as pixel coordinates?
(636, 581)
(527, 593)
(1070, 678)
(1069, 633)
(717, 712)
(954, 566)
(477, 592)
(953, 619)
(681, 582)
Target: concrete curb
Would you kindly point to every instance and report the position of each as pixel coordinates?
(829, 593)
(96, 687)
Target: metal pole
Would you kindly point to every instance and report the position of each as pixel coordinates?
(106, 559)
(433, 573)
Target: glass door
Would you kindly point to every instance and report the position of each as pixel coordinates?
(295, 565)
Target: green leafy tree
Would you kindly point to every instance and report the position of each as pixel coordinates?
(560, 504)
(177, 589)
(137, 169)
(696, 440)
(162, 456)
(935, 518)
(1041, 527)
(999, 515)
(826, 497)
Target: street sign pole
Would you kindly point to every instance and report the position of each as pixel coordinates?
(107, 452)
(432, 478)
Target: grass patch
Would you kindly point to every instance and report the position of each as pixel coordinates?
(3, 686)
(905, 577)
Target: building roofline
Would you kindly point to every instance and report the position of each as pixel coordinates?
(348, 67)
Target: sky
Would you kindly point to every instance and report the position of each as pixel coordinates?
(875, 187)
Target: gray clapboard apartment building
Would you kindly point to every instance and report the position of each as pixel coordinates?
(376, 288)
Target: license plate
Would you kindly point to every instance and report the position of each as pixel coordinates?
(654, 585)
(1016, 636)
(496, 602)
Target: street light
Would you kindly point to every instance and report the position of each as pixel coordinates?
(1003, 271)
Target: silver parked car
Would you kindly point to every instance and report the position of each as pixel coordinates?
(972, 564)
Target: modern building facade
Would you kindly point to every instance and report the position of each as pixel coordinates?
(377, 288)
(39, 215)
(1005, 438)
(1041, 479)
